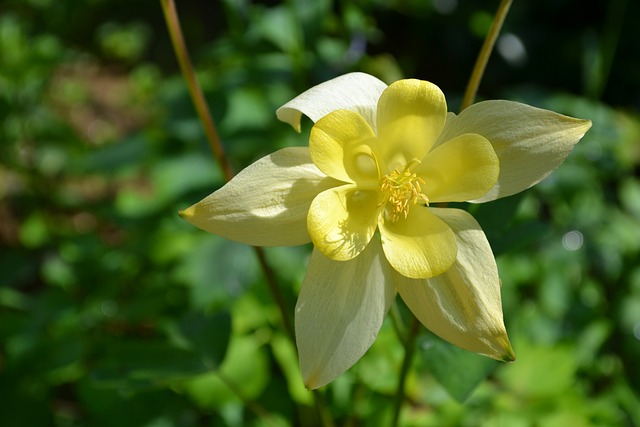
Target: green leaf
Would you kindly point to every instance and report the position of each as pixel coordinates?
(458, 371)
(503, 232)
(243, 375)
(144, 364)
(208, 335)
(169, 180)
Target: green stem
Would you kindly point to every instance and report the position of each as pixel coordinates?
(396, 320)
(610, 38)
(485, 53)
(326, 420)
(272, 283)
(409, 350)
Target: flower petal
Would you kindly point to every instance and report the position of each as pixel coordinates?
(530, 142)
(463, 305)
(339, 312)
(341, 146)
(342, 220)
(357, 92)
(419, 246)
(461, 169)
(411, 115)
(266, 204)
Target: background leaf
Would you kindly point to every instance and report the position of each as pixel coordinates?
(458, 371)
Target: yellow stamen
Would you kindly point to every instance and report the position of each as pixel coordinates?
(400, 189)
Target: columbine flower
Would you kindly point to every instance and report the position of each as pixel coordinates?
(366, 193)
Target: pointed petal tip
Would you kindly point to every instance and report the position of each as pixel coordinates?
(510, 356)
(187, 214)
(312, 381)
(310, 385)
(582, 125)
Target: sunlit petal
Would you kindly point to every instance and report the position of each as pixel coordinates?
(342, 221)
(420, 246)
(266, 204)
(357, 92)
(339, 312)
(341, 146)
(463, 305)
(530, 142)
(461, 169)
(411, 115)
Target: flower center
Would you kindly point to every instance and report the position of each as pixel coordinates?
(400, 190)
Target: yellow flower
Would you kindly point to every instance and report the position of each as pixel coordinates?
(366, 193)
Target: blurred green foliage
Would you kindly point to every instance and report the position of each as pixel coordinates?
(114, 312)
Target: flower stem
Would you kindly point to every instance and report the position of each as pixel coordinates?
(396, 319)
(409, 349)
(321, 408)
(199, 102)
(485, 53)
(272, 283)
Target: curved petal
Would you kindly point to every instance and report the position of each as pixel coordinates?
(357, 92)
(342, 220)
(339, 312)
(463, 305)
(530, 142)
(411, 115)
(266, 204)
(341, 146)
(461, 169)
(419, 246)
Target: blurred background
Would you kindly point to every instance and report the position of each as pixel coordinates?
(115, 312)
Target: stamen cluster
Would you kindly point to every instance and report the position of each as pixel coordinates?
(400, 190)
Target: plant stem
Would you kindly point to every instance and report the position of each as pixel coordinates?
(485, 53)
(199, 102)
(272, 283)
(409, 349)
(396, 321)
(321, 408)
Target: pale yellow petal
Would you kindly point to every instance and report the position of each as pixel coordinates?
(340, 310)
(341, 146)
(420, 246)
(357, 92)
(411, 115)
(342, 220)
(530, 142)
(463, 305)
(461, 169)
(267, 203)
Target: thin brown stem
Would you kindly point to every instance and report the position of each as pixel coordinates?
(199, 102)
